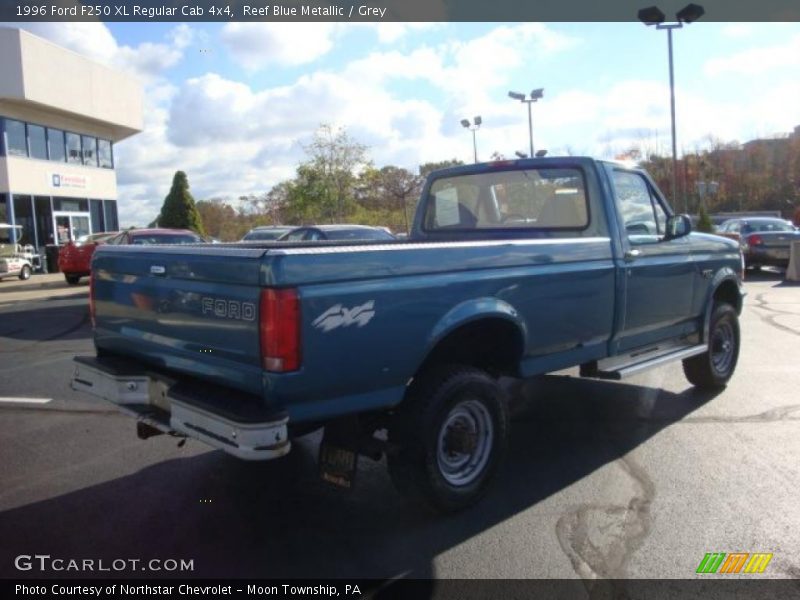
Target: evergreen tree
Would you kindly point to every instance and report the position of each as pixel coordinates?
(179, 210)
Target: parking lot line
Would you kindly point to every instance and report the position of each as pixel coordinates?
(27, 400)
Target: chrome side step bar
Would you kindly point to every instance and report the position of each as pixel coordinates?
(635, 367)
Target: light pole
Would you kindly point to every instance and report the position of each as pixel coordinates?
(653, 16)
(473, 128)
(536, 94)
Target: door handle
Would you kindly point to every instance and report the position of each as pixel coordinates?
(632, 254)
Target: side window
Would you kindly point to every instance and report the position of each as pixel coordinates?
(643, 217)
(296, 236)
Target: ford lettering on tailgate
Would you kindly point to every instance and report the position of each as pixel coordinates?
(229, 309)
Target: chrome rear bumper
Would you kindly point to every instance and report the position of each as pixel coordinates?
(222, 418)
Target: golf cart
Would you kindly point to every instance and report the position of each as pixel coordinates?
(16, 259)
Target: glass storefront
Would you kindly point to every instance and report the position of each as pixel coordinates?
(47, 220)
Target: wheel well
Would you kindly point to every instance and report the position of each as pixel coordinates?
(728, 292)
(494, 345)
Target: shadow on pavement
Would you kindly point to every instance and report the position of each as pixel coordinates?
(764, 274)
(46, 324)
(276, 519)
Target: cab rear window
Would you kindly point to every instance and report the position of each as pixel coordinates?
(541, 198)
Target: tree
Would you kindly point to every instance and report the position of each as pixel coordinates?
(179, 210)
(220, 219)
(425, 169)
(704, 223)
(335, 158)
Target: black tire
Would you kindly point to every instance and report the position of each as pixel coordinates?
(25, 273)
(713, 369)
(72, 279)
(465, 404)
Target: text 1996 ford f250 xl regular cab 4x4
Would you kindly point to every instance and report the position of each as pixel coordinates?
(512, 268)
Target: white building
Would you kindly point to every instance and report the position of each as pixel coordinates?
(60, 117)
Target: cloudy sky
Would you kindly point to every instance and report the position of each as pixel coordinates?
(233, 104)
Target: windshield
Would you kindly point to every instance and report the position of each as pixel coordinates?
(5, 233)
(166, 238)
(95, 238)
(767, 226)
(542, 198)
(358, 234)
(264, 234)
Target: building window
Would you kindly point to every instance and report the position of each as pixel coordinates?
(98, 222)
(37, 142)
(55, 141)
(74, 148)
(44, 219)
(70, 204)
(3, 208)
(104, 154)
(23, 215)
(110, 212)
(89, 145)
(15, 138)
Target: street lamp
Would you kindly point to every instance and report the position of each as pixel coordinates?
(653, 16)
(473, 128)
(536, 94)
(520, 154)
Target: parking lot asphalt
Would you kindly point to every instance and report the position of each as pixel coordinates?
(638, 479)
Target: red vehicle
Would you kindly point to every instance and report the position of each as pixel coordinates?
(75, 258)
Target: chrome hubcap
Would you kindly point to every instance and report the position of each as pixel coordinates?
(465, 443)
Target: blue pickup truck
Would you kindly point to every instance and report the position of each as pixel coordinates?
(512, 268)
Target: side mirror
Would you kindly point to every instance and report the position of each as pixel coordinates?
(678, 226)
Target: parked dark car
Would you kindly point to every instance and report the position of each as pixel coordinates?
(336, 232)
(75, 258)
(764, 240)
(266, 233)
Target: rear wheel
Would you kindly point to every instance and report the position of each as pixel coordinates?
(72, 279)
(713, 368)
(449, 437)
(25, 272)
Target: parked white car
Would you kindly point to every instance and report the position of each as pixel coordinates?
(16, 260)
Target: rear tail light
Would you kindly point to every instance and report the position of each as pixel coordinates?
(91, 300)
(279, 325)
(755, 240)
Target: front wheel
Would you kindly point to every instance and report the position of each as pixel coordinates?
(449, 437)
(713, 368)
(25, 273)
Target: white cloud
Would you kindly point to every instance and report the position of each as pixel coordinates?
(754, 61)
(259, 45)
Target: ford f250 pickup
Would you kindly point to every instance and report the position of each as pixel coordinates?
(513, 268)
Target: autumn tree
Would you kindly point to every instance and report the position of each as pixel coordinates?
(335, 158)
(425, 169)
(179, 210)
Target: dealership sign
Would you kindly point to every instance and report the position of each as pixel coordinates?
(75, 182)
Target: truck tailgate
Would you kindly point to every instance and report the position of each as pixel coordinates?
(192, 309)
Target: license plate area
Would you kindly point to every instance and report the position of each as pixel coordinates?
(337, 465)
